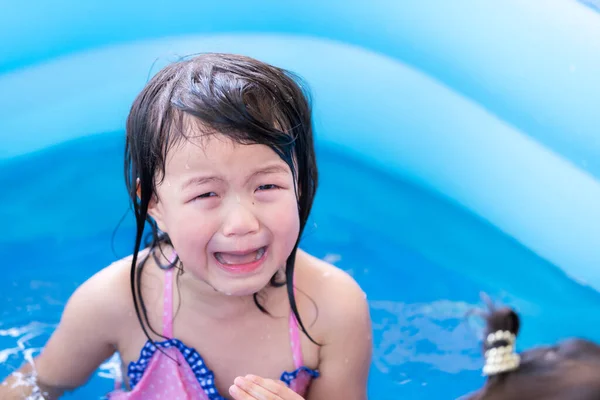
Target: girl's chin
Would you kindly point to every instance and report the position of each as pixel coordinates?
(247, 286)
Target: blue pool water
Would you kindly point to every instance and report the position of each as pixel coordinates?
(421, 260)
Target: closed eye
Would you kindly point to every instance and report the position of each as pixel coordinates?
(268, 187)
(206, 195)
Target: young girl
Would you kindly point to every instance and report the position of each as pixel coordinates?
(220, 164)
(567, 371)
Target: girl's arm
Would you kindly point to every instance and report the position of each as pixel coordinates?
(345, 356)
(20, 385)
(82, 341)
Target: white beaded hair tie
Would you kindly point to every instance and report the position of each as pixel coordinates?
(503, 358)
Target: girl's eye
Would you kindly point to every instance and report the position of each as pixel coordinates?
(267, 187)
(206, 195)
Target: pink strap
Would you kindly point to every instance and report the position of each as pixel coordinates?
(295, 338)
(168, 302)
(295, 335)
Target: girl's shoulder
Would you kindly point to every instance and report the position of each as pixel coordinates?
(114, 279)
(337, 302)
(97, 316)
(318, 273)
(107, 294)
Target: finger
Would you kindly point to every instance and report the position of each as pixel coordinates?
(240, 394)
(255, 390)
(278, 388)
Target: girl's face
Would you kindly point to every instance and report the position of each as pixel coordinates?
(230, 211)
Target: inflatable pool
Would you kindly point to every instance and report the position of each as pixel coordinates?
(472, 125)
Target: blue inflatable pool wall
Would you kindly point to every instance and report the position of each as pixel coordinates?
(492, 104)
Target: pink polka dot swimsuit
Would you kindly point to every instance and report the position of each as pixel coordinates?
(157, 376)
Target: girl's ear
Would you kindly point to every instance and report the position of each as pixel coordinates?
(154, 208)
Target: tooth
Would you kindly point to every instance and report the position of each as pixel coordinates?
(219, 258)
(260, 253)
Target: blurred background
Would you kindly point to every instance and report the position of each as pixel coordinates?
(458, 144)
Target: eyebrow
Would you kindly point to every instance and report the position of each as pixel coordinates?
(199, 180)
(271, 169)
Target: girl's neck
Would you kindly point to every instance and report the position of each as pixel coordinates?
(210, 303)
(207, 302)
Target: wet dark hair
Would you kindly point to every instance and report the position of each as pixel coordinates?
(248, 101)
(567, 371)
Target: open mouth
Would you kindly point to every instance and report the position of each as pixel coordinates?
(240, 259)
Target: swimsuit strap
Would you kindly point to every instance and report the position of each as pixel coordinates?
(295, 339)
(168, 301)
(295, 335)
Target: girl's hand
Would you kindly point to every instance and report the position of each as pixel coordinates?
(253, 387)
